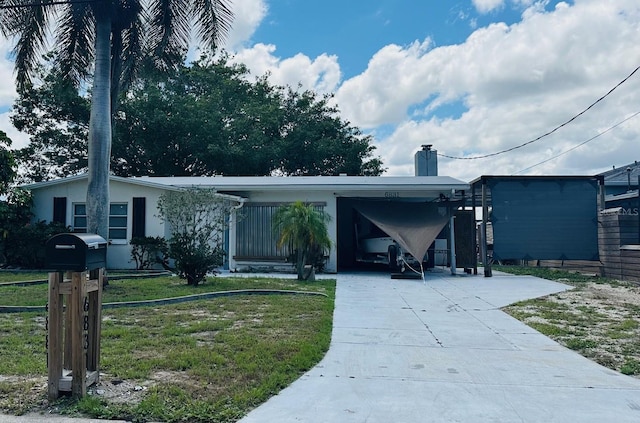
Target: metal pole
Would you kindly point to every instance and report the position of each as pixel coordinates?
(485, 220)
(452, 235)
(475, 230)
(602, 194)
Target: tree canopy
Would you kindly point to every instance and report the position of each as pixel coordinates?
(7, 163)
(203, 119)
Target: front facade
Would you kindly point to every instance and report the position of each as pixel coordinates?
(249, 241)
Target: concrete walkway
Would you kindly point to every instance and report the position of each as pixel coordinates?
(404, 351)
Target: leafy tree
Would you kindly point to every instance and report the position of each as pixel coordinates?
(110, 38)
(197, 219)
(7, 163)
(207, 119)
(57, 119)
(303, 228)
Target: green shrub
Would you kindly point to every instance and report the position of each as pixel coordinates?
(25, 245)
(193, 258)
(147, 251)
(198, 219)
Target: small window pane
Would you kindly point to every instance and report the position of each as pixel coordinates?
(118, 222)
(80, 222)
(117, 234)
(118, 210)
(79, 209)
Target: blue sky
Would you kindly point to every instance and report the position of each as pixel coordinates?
(471, 77)
(355, 30)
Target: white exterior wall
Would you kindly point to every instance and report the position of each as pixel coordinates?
(290, 197)
(118, 251)
(254, 189)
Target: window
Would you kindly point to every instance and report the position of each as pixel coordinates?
(255, 238)
(117, 219)
(79, 218)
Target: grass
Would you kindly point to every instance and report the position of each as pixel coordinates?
(207, 360)
(598, 318)
(575, 279)
(8, 276)
(148, 289)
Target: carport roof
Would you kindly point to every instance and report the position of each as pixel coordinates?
(319, 183)
(340, 185)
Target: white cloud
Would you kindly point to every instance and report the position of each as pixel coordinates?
(7, 88)
(18, 139)
(321, 74)
(516, 82)
(485, 6)
(248, 14)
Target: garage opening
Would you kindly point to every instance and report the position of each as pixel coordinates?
(379, 234)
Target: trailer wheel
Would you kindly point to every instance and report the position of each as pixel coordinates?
(392, 255)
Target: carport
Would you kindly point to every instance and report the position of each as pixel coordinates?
(413, 211)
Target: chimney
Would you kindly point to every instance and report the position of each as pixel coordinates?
(426, 161)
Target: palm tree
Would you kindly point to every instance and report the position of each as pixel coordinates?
(304, 229)
(111, 39)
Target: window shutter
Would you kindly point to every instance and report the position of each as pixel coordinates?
(138, 228)
(60, 210)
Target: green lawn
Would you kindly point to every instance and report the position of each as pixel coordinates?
(151, 288)
(208, 360)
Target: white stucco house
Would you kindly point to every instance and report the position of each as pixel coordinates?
(249, 241)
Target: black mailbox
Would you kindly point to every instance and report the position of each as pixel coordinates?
(76, 252)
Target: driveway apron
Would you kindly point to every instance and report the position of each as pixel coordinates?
(443, 351)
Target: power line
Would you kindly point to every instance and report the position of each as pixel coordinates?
(548, 133)
(581, 144)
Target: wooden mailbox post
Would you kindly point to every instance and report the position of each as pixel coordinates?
(74, 312)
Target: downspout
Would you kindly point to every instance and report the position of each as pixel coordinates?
(232, 214)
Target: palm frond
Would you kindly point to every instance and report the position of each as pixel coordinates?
(133, 48)
(75, 39)
(213, 20)
(30, 25)
(169, 31)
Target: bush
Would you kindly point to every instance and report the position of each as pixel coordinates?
(27, 244)
(197, 218)
(194, 259)
(147, 251)
(22, 243)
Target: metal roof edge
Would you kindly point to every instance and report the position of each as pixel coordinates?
(74, 178)
(533, 177)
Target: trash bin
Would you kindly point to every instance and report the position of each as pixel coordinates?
(75, 252)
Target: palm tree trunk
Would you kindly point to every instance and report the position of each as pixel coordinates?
(300, 264)
(100, 132)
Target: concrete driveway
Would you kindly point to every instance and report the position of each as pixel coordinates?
(404, 351)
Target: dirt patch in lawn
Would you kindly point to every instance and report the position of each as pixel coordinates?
(601, 321)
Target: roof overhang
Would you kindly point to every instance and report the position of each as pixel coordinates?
(339, 185)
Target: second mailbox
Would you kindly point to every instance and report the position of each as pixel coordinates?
(76, 252)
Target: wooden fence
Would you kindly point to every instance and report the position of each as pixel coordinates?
(619, 245)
